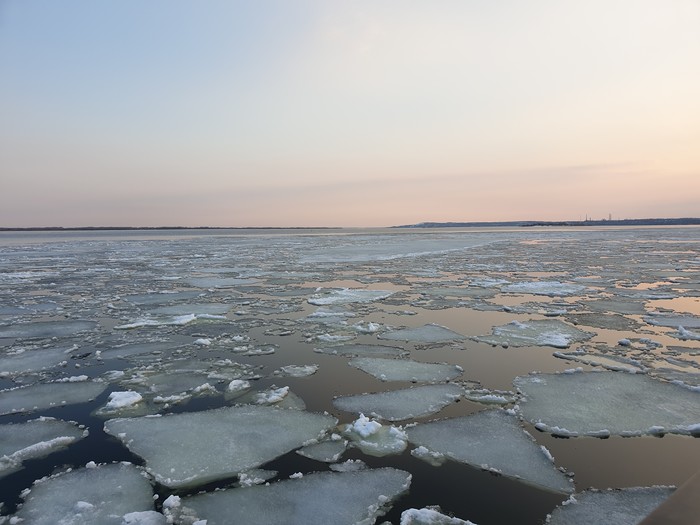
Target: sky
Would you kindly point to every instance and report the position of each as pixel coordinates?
(347, 113)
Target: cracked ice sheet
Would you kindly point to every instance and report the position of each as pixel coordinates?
(34, 439)
(616, 506)
(238, 439)
(405, 370)
(429, 333)
(492, 440)
(42, 396)
(87, 496)
(348, 296)
(607, 403)
(538, 332)
(320, 498)
(403, 404)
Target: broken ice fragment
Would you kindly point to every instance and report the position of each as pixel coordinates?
(360, 350)
(403, 404)
(429, 516)
(673, 321)
(538, 332)
(345, 498)
(607, 403)
(375, 439)
(46, 329)
(550, 288)
(429, 333)
(490, 397)
(326, 451)
(432, 458)
(492, 440)
(404, 370)
(238, 439)
(296, 370)
(43, 396)
(348, 296)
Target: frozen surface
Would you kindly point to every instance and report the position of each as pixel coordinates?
(550, 288)
(88, 496)
(47, 395)
(375, 439)
(34, 439)
(673, 321)
(429, 516)
(46, 329)
(348, 296)
(429, 333)
(326, 451)
(238, 438)
(404, 370)
(607, 403)
(619, 506)
(403, 404)
(362, 350)
(32, 361)
(321, 498)
(538, 332)
(492, 440)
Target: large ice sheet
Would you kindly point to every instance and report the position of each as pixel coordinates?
(237, 439)
(492, 440)
(403, 404)
(405, 370)
(88, 496)
(607, 403)
(32, 361)
(673, 321)
(538, 332)
(42, 396)
(43, 329)
(429, 333)
(617, 506)
(346, 498)
(34, 439)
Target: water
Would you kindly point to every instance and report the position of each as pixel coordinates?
(468, 281)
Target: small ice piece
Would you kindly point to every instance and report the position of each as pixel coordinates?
(672, 320)
(193, 308)
(334, 338)
(492, 440)
(281, 397)
(156, 298)
(405, 370)
(490, 397)
(326, 497)
(362, 350)
(86, 496)
(684, 334)
(549, 288)
(325, 451)
(238, 385)
(218, 282)
(619, 506)
(146, 517)
(538, 332)
(119, 400)
(403, 404)
(34, 439)
(351, 465)
(428, 333)
(369, 328)
(296, 370)
(47, 395)
(607, 403)
(348, 296)
(375, 439)
(432, 458)
(238, 438)
(429, 516)
(255, 476)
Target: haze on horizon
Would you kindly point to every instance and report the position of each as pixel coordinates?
(364, 113)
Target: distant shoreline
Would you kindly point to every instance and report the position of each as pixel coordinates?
(159, 228)
(686, 221)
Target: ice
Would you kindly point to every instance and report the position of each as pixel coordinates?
(137, 349)
(281, 397)
(375, 439)
(403, 404)
(218, 282)
(157, 298)
(492, 440)
(320, 498)
(490, 397)
(432, 458)
(348, 296)
(31, 361)
(604, 321)
(429, 516)
(169, 321)
(404, 370)
(607, 403)
(146, 517)
(615, 506)
(684, 334)
(362, 350)
(43, 396)
(296, 370)
(40, 330)
(673, 321)
(326, 451)
(197, 308)
(123, 403)
(538, 332)
(237, 439)
(550, 288)
(34, 439)
(429, 333)
(86, 496)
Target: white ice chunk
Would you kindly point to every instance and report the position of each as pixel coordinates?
(490, 397)
(492, 440)
(348, 296)
(146, 517)
(402, 404)
(619, 506)
(42, 396)
(539, 332)
(362, 350)
(429, 456)
(326, 451)
(550, 288)
(375, 439)
(684, 334)
(87, 496)
(296, 370)
(607, 403)
(429, 516)
(404, 370)
(34, 439)
(339, 498)
(237, 439)
(429, 333)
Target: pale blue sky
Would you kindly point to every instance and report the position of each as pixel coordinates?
(364, 113)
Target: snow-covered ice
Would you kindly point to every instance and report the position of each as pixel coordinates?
(429, 516)
(536, 332)
(405, 370)
(375, 439)
(348, 296)
(550, 288)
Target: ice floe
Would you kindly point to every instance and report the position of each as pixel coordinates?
(326, 451)
(405, 370)
(429, 516)
(537, 332)
(30, 361)
(607, 403)
(673, 321)
(550, 288)
(362, 350)
(492, 440)
(296, 370)
(375, 439)
(348, 296)
(398, 405)
(238, 439)
(345, 498)
(429, 333)
(42, 396)
(40, 330)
